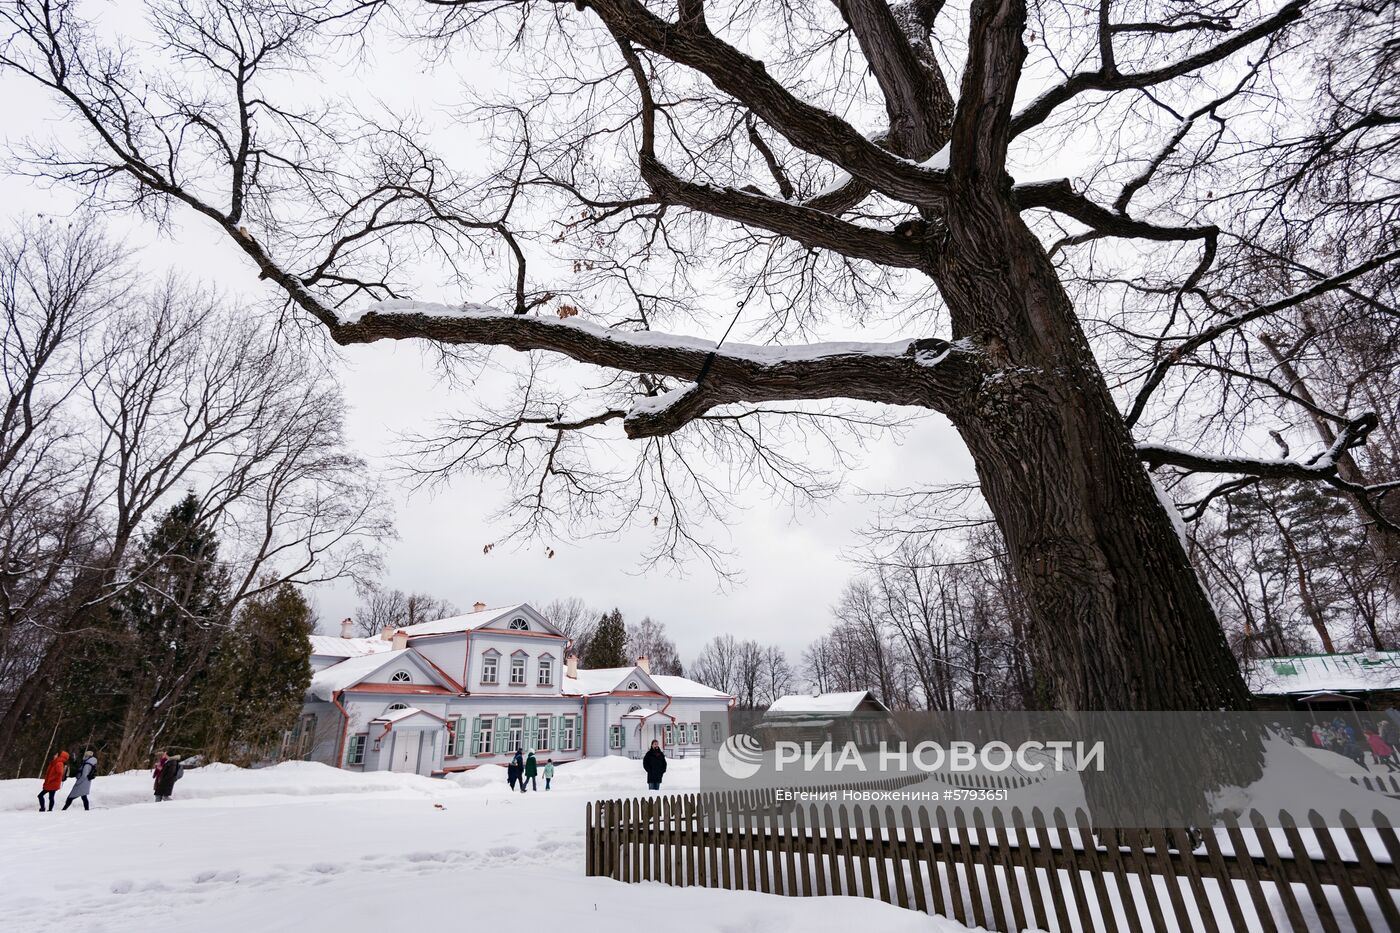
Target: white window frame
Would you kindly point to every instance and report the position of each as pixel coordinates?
(617, 737)
(515, 732)
(695, 733)
(633, 685)
(518, 625)
(517, 666)
(401, 677)
(570, 733)
(490, 669)
(679, 733)
(544, 676)
(394, 708)
(486, 737)
(542, 724)
(355, 753)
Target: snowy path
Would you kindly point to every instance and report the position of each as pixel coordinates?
(303, 847)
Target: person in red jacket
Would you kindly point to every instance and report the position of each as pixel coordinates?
(53, 779)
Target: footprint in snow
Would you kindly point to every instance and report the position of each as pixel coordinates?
(123, 886)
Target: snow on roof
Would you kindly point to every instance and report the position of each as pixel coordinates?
(1320, 673)
(467, 621)
(333, 646)
(641, 713)
(597, 680)
(324, 684)
(396, 715)
(674, 686)
(820, 703)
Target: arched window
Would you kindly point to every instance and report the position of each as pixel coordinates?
(634, 708)
(396, 707)
(519, 625)
(633, 685)
(400, 677)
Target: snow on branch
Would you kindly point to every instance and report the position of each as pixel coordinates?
(1323, 466)
(928, 372)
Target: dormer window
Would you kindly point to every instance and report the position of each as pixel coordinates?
(401, 677)
(519, 625)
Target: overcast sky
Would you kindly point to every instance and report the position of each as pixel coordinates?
(792, 570)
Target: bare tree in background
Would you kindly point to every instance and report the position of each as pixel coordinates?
(649, 638)
(153, 394)
(382, 608)
(717, 664)
(847, 167)
(572, 617)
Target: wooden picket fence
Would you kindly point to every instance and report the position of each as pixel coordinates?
(1015, 872)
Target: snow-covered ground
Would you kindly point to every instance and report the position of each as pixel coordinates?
(308, 848)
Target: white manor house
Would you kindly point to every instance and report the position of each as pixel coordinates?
(461, 692)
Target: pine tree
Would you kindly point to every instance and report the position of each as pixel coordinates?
(173, 618)
(608, 645)
(263, 672)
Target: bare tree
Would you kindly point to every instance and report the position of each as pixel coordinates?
(777, 676)
(164, 393)
(717, 664)
(830, 198)
(574, 619)
(380, 609)
(649, 638)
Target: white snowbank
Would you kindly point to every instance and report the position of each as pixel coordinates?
(303, 847)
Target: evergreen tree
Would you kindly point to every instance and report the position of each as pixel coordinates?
(608, 645)
(173, 618)
(262, 674)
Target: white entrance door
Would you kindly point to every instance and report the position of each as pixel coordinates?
(406, 751)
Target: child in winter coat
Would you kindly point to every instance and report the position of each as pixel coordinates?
(548, 772)
(170, 772)
(155, 775)
(53, 779)
(1381, 752)
(531, 769)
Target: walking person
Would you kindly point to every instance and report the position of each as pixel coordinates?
(53, 779)
(654, 764)
(548, 772)
(1381, 751)
(83, 785)
(171, 772)
(532, 768)
(513, 772)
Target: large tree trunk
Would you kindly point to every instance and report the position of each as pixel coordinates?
(1120, 620)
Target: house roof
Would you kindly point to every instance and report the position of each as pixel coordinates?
(642, 714)
(1300, 675)
(607, 679)
(471, 621)
(349, 673)
(396, 715)
(333, 646)
(823, 702)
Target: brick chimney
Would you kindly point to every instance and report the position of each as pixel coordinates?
(347, 628)
(478, 606)
(644, 663)
(571, 666)
(400, 640)
(387, 633)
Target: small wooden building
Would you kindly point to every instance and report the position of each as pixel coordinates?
(1363, 681)
(837, 717)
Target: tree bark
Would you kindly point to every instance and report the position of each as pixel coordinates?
(1121, 620)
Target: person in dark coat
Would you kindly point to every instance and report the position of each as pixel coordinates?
(532, 768)
(655, 765)
(53, 779)
(155, 775)
(83, 785)
(170, 772)
(514, 771)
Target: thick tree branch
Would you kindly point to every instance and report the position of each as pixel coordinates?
(930, 373)
(981, 127)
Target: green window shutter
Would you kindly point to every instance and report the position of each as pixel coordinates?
(502, 726)
(476, 735)
(528, 737)
(558, 742)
